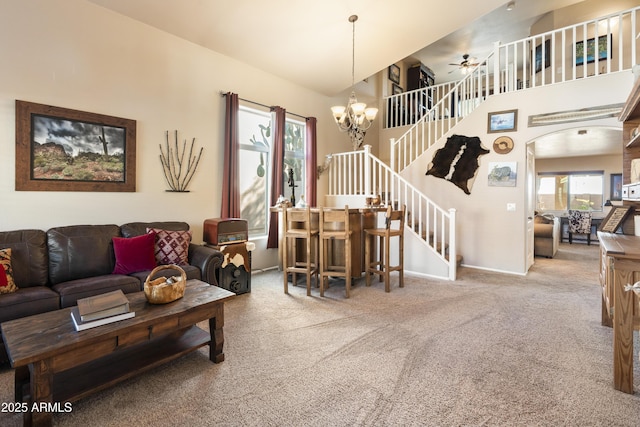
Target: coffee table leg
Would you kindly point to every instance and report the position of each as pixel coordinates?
(41, 391)
(21, 381)
(217, 336)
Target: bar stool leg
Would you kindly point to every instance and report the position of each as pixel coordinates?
(348, 273)
(367, 258)
(387, 264)
(284, 266)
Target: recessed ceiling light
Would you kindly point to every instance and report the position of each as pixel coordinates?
(511, 5)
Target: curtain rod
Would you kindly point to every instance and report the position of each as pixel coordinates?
(262, 105)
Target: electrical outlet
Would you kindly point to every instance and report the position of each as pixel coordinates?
(511, 207)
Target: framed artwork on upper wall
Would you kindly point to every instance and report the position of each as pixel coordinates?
(502, 121)
(538, 56)
(394, 73)
(58, 149)
(396, 90)
(590, 53)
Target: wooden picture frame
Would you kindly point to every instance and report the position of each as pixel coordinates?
(615, 218)
(394, 74)
(615, 192)
(502, 121)
(58, 149)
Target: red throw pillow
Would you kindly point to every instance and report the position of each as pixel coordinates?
(134, 254)
(172, 247)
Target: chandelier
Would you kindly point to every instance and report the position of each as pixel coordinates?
(355, 118)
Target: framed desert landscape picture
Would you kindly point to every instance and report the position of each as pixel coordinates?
(59, 149)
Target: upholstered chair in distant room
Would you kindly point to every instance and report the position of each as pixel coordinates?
(579, 223)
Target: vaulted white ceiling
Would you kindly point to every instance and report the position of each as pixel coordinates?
(310, 42)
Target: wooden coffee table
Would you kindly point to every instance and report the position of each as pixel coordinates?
(55, 364)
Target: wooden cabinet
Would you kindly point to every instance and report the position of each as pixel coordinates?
(420, 76)
(619, 266)
(606, 281)
(630, 117)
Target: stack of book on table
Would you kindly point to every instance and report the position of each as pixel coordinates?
(100, 310)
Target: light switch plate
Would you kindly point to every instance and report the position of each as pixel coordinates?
(511, 207)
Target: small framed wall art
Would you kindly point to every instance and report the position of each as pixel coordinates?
(502, 121)
(394, 73)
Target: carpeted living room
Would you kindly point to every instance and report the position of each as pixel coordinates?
(489, 349)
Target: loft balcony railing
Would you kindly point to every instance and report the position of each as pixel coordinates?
(601, 46)
(553, 57)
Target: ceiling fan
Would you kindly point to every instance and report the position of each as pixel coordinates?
(466, 65)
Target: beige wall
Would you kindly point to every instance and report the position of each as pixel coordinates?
(74, 54)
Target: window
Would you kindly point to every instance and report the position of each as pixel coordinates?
(255, 133)
(561, 191)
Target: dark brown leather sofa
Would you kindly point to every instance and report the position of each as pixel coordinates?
(53, 269)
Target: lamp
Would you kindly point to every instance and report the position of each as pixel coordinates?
(355, 118)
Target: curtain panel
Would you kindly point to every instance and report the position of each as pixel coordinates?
(277, 180)
(312, 161)
(231, 179)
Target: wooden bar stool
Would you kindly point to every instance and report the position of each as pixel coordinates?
(394, 227)
(298, 224)
(334, 225)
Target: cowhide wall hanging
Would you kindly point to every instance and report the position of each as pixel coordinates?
(457, 161)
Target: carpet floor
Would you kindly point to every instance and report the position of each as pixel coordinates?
(489, 349)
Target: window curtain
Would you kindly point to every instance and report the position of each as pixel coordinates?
(277, 171)
(312, 161)
(230, 178)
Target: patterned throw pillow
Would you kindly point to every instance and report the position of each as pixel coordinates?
(172, 247)
(6, 272)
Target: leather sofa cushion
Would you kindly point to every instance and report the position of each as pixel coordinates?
(27, 302)
(71, 291)
(29, 258)
(80, 251)
(132, 229)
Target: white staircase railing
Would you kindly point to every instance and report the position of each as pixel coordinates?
(360, 173)
(548, 58)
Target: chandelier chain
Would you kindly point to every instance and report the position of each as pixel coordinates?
(353, 20)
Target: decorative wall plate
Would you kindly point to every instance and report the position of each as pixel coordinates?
(503, 145)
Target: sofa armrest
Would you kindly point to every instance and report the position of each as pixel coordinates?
(208, 260)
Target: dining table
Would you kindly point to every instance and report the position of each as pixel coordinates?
(360, 219)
